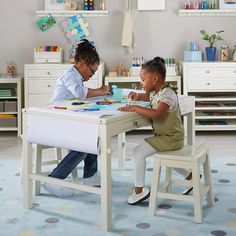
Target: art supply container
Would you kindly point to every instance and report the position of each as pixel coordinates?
(224, 53)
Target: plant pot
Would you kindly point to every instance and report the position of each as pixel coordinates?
(211, 53)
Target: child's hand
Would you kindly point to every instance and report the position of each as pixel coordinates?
(105, 89)
(128, 108)
(133, 96)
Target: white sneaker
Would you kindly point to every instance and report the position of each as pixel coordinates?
(57, 190)
(94, 180)
(137, 198)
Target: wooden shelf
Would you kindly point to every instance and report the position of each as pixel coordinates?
(94, 13)
(217, 12)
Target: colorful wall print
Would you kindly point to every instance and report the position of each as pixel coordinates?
(76, 28)
(46, 22)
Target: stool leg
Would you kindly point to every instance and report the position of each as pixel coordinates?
(38, 167)
(197, 194)
(58, 154)
(74, 174)
(168, 179)
(207, 176)
(155, 182)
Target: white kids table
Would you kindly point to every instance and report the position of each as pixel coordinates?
(108, 126)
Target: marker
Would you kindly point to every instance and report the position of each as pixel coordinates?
(103, 103)
(77, 103)
(61, 108)
(91, 109)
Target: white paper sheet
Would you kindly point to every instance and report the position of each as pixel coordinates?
(68, 133)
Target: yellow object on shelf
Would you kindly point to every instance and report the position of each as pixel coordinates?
(7, 115)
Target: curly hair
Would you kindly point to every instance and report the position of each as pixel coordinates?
(87, 52)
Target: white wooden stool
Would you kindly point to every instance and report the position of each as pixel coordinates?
(39, 163)
(189, 157)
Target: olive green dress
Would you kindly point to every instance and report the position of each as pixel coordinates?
(168, 130)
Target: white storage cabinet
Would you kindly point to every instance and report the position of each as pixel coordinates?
(40, 81)
(214, 86)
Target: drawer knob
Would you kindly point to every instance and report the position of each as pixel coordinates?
(207, 71)
(48, 73)
(135, 123)
(49, 85)
(208, 83)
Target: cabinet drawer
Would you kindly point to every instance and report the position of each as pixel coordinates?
(37, 100)
(219, 72)
(45, 73)
(213, 85)
(43, 86)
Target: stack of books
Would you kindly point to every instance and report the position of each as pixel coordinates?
(7, 92)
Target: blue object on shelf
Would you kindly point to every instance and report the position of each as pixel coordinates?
(192, 56)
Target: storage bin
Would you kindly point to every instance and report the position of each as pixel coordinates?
(8, 122)
(1, 106)
(48, 57)
(10, 106)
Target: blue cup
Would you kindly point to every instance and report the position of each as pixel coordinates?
(117, 94)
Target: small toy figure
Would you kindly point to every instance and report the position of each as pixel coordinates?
(11, 69)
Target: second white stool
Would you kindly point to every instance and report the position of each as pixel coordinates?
(189, 157)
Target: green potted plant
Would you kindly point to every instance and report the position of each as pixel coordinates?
(211, 39)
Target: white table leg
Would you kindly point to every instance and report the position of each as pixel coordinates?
(106, 206)
(27, 167)
(121, 151)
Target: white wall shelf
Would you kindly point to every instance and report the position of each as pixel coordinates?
(217, 12)
(94, 13)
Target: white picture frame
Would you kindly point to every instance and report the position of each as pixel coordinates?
(151, 5)
(58, 5)
(227, 4)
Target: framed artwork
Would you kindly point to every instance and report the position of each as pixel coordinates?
(151, 5)
(227, 4)
(55, 4)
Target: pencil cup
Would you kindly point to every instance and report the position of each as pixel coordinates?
(117, 94)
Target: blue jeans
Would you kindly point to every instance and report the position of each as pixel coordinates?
(71, 160)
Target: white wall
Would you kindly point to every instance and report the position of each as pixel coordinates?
(157, 33)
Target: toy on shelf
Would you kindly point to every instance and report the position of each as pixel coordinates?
(76, 28)
(11, 68)
(88, 5)
(118, 70)
(71, 5)
(48, 54)
(101, 4)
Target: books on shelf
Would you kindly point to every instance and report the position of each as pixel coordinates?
(7, 92)
(212, 122)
